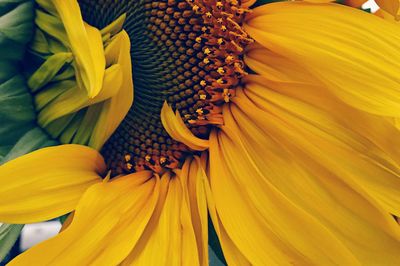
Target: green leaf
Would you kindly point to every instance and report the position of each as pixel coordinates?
(8, 235)
(17, 115)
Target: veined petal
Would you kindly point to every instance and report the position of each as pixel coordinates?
(177, 129)
(107, 223)
(275, 67)
(47, 183)
(367, 141)
(355, 53)
(170, 223)
(232, 254)
(263, 134)
(193, 178)
(265, 226)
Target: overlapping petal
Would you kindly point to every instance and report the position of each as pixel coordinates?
(333, 43)
(173, 223)
(303, 155)
(47, 183)
(82, 83)
(177, 129)
(108, 221)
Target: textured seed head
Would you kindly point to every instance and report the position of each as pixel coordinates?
(188, 53)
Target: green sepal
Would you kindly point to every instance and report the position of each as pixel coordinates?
(48, 70)
(17, 24)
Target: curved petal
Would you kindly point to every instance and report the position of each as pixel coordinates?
(107, 223)
(369, 142)
(86, 45)
(316, 168)
(275, 67)
(175, 127)
(265, 226)
(47, 183)
(115, 109)
(354, 53)
(193, 178)
(84, 97)
(170, 224)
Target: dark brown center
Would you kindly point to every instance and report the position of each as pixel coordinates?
(188, 53)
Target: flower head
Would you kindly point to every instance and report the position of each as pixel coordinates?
(278, 122)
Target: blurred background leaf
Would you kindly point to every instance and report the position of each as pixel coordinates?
(9, 233)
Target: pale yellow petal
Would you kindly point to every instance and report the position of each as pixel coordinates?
(356, 54)
(108, 221)
(47, 183)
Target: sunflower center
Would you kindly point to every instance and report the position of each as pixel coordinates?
(188, 53)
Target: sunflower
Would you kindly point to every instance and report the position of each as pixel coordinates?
(276, 125)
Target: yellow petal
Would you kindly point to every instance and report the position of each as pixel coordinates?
(247, 3)
(47, 183)
(115, 26)
(232, 254)
(114, 110)
(193, 178)
(367, 144)
(169, 224)
(354, 53)
(390, 6)
(177, 129)
(107, 223)
(275, 67)
(265, 226)
(86, 45)
(284, 145)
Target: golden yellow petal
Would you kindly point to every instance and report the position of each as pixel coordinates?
(114, 110)
(193, 178)
(276, 67)
(86, 45)
(47, 183)
(292, 150)
(368, 141)
(263, 223)
(169, 238)
(177, 129)
(108, 222)
(356, 54)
